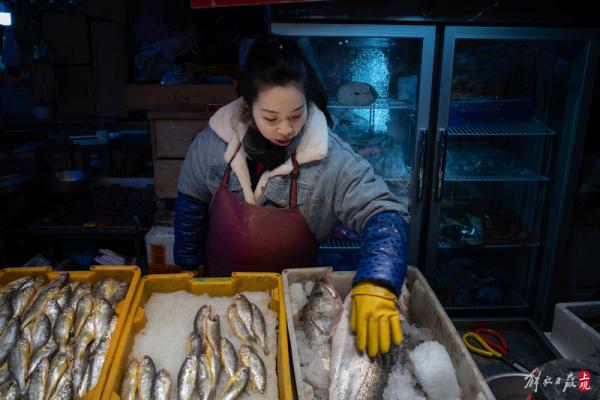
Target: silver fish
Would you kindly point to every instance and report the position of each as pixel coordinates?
(161, 387)
(82, 289)
(81, 386)
(113, 290)
(4, 374)
(228, 357)
(11, 392)
(8, 338)
(108, 334)
(52, 310)
(57, 282)
(45, 294)
(64, 390)
(355, 375)
(48, 350)
(38, 380)
(204, 385)
(63, 326)
(244, 310)
(14, 285)
(186, 379)
(102, 312)
(97, 362)
(213, 333)
(63, 296)
(6, 312)
(77, 376)
(18, 363)
(86, 336)
(147, 373)
(258, 372)
(213, 362)
(58, 366)
(259, 328)
(40, 333)
(237, 325)
(21, 299)
(319, 316)
(82, 312)
(236, 384)
(202, 315)
(194, 344)
(5, 317)
(130, 380)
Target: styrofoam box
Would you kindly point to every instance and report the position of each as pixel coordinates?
(574, 337)
(425, 311)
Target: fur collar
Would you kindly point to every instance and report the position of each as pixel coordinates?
(227, 125)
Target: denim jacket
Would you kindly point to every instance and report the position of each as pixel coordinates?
(334, 182)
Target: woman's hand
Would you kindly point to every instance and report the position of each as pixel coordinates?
(375, 318)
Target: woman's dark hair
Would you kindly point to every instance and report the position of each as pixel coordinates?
(276, 61)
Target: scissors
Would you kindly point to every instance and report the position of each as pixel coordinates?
(487, 346)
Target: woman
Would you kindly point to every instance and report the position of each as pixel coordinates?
(292, 180)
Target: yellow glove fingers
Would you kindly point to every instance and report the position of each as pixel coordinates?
(353, 316)
(396, 329)
(361, 330)
(384, 334)
(373, 336)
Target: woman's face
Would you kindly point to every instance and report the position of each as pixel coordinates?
(280, 113)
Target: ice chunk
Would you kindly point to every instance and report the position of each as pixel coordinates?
(401, 385)
(298, 298)
(435, 371)
(308, 287)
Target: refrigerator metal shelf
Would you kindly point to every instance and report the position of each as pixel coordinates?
(512, 300)
(380, 103)
(445, 244)
(338, 244)
(523, 128)
(529, 177)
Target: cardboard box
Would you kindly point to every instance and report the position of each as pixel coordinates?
(207, 97)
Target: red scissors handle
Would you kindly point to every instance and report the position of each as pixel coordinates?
(488, 334)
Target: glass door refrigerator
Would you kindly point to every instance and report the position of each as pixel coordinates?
(378, 79)
(511, 115)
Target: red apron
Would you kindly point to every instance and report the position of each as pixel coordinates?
(247, 238)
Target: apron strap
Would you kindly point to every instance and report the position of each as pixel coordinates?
(225, 180)
(294, 183)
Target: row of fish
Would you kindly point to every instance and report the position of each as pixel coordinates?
(143, 382)
(325, 322)
(208, 353)
(55, 335)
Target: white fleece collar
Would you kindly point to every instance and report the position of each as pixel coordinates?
(227, 124)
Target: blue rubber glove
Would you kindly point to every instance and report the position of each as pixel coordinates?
(191, 225)
(384, 251)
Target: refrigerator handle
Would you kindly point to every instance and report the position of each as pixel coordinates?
(421, 161)
(442, 144)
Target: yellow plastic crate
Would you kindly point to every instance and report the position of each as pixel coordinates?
(214, 287)
(130, 273)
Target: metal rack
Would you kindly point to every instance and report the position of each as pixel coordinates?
(511, 301)
(378, 104)
(445, 244)
(528, 177)
(523, 128)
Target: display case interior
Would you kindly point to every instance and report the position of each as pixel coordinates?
(508, 113)
(371, 83)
